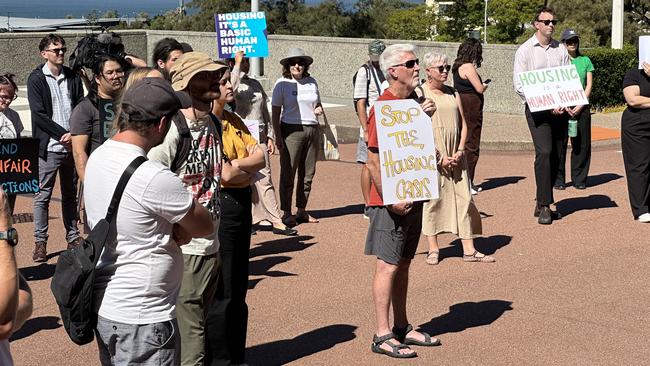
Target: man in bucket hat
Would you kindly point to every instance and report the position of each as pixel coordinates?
(192, 149)
(140, 269)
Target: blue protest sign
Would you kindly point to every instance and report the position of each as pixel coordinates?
(19, 165)
(245, 31)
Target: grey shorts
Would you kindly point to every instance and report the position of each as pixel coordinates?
(362, 149)
(391, 237)
(145, 344)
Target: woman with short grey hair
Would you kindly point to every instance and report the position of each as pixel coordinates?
(454, 211)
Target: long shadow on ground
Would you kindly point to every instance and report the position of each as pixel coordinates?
(493, 183)
(466, 315)
(337, 211)
(42, 271)
(596, 180)
(262, 267)
(285, 245)
(593, 202)
(35, 325)
(289, 350)
(487, 245)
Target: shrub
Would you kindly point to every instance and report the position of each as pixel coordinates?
(610, 66)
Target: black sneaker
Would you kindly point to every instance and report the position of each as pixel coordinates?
(560, 187)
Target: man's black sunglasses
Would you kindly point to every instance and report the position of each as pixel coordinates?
(409, 64)
(547, 21)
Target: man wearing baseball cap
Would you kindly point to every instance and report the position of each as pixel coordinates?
(367, 88)
(140, 269)
(192, 149)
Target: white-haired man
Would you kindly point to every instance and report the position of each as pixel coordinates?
(394, 230)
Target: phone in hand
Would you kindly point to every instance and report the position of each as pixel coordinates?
(487, 81)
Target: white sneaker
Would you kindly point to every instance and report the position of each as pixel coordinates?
(473, 191)
(644, 218)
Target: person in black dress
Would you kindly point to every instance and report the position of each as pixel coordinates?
(635, 140)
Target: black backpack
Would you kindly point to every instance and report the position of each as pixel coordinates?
(185, 138)
(74, 276)
(367, 67)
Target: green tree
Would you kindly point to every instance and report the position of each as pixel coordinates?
(638, 11)
(110, 14)
(327, 19)
(461, 17)
(369, 18)
(412, 24)
(508, 19)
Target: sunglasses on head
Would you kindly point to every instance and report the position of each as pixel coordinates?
(296, 61)
(442, 69)
(547, 21)
(409, 64)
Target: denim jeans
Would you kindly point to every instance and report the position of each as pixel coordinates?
(138, 344)
(47, 169)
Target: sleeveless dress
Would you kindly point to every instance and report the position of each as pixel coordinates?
(454, 211)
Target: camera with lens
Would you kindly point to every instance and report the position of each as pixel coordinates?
(92, 46)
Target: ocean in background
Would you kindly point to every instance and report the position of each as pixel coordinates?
(58, 9)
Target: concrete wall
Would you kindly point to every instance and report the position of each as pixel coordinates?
(20, 53)
(337, 59)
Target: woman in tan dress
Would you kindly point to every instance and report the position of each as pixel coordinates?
(454, 212)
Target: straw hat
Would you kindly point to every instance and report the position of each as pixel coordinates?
(296, 52)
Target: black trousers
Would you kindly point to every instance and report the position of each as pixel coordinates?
(548, 132)
(580, 151)
(228, 316)
(635, 143)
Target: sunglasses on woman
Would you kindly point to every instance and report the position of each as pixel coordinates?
(296, 61)
(409, 64)
(442, 69)
(548, 21)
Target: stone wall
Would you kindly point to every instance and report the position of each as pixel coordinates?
(337, 59)
(20, 53)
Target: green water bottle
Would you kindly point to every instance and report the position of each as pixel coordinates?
(573, 128)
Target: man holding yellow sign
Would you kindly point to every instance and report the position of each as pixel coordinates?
(394, 229)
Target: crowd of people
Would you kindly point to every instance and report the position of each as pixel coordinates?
(171, 282)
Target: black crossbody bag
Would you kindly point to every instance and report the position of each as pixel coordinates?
(74, 276)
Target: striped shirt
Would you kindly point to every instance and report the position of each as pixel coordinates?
(61, 105)
(531, 55)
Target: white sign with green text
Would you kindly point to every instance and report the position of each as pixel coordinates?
(552, 88)
(407, 152)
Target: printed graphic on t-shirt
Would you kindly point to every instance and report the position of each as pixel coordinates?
(202, 171)
(7, 130)
(106, 116)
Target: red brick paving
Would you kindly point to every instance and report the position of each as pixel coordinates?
(573, 293)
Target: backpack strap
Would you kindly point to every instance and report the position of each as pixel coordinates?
(368, 76)
(217, 124)
(121, 184)
(184, 145)
(375, 76)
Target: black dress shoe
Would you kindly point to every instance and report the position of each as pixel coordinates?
(581, 186)
(554, 214)
(560, 187)
(287, 231)
(545, 216)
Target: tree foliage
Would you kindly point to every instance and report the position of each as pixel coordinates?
(461, 17)
(413, 23)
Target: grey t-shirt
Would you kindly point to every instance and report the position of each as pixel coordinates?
(94, 121)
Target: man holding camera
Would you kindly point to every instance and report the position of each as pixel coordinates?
(53, 90)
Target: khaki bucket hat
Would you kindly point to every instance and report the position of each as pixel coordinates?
(190, 64)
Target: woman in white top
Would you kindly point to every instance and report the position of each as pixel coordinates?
(10, 124)
(295, 107)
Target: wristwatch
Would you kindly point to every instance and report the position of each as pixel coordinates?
(11, 236)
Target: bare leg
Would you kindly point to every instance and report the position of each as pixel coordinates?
(433, 243)
(365, 184)
(382, 288)
(400, 291)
